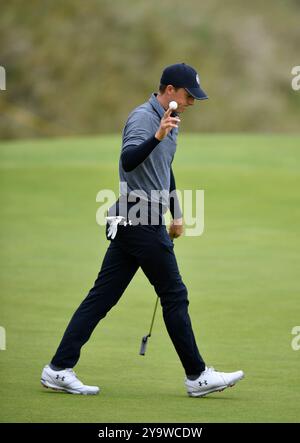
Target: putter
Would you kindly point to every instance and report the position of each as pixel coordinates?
(145, 338)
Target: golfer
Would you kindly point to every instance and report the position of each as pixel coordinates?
(138, 238)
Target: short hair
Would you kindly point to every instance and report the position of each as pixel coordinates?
(162, 88)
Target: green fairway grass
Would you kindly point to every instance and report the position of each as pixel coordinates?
(242, 275)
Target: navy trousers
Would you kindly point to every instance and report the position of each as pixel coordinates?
(150, 248)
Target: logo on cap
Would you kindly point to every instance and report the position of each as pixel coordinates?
(197, 79)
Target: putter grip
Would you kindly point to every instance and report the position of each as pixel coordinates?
(143, 345)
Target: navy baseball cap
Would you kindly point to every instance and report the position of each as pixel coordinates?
(184, 76)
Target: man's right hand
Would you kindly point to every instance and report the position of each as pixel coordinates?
(167, 123)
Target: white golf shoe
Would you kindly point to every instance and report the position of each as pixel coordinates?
(66, 381)
(211, 381)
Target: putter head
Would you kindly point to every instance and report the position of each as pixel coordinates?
(144, 344)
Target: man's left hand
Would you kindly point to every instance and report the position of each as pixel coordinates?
(176, 228)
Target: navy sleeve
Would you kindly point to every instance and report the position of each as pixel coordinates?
(133, 155)
(173, 202)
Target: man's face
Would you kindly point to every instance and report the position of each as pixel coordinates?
(182, 97)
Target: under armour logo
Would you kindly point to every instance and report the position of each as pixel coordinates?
(127, 223)
(58, 377)
(203, 383)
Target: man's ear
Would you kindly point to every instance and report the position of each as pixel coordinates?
(170, 89)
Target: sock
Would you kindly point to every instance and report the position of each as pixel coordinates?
(193, 377)
(56, 368)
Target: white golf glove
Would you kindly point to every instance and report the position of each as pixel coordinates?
(113, 225)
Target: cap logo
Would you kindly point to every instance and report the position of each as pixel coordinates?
(197, 79)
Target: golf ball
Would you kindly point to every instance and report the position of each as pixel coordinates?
(173, 105)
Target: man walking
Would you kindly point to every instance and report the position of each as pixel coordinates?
(140, 239)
